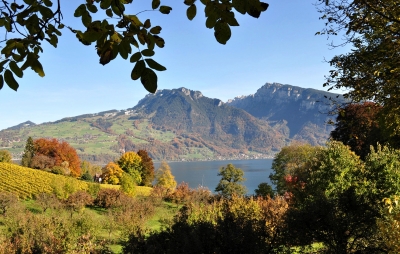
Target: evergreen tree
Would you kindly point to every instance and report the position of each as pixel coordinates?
(29, 152)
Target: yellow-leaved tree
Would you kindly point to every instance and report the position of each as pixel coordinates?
(112, 173)
(164, 177)
(131, 163)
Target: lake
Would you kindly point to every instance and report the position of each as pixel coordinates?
(197, 173)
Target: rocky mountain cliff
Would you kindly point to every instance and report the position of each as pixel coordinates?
(305, 112)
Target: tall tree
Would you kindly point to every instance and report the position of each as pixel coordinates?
(29, 152)
(62, 153)
(370, 71)
(114, 34)
(147, 168)
(231, 181)
(164, 177)
(357, 126)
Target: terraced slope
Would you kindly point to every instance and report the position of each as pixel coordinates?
(26, 182)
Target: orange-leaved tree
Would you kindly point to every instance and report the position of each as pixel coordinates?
(62, 153)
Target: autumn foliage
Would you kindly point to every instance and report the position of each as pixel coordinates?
(357, 126)
(61, 153)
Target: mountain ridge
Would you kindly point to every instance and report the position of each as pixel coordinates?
(182, 124)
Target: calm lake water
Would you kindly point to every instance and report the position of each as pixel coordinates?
(204, 173)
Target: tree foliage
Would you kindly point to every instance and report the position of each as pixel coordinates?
(131, 163)
(342, 203)
(61, 153)
(5, 156)
(231, 181)
(370, 71)
(147, 168)
(118, 33)
(264, 190)
(290, 164)
(112, 173)
(29, 152)
(357, 126)
(164, 177)
(237, 225)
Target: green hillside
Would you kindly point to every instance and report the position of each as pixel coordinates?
(176, 124)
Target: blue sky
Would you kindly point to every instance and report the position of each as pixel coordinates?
(280, 46)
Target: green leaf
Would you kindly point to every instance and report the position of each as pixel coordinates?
(240, 6)
(150, 42)
(48, 3)
(2, 22)
(135, 20)
(117, 7)
(109, 13)
(17, 71)
(54, 40)
(92, 8)
(124, 48)
(191, 12)
(147, 24)
(148, 52)
(86, 19)
(105, 4)
(154, 65)
(11, 82)
(116, 37)
(29, 1)
(230, 18)
(1, 82)
(165, 9)
(189, 2)
(46, 12)
(37, 67)
(140, 66)
(159, 41)
(135, 57)
(211, 21)
(155, 4)
(80, 10)
(222, 32)
(149, 80)
(155, 30)
(134, 42)
(2, 64)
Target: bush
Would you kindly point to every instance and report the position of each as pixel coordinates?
(110, 198)
(78, 201)
(5, 156)
(128, 184)
(48, 201)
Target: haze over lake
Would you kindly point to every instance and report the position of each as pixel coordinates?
(204, 173)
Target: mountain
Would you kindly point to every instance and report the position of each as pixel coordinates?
(305, 112)
(181, 124)
(21, 125)
(177, 124)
